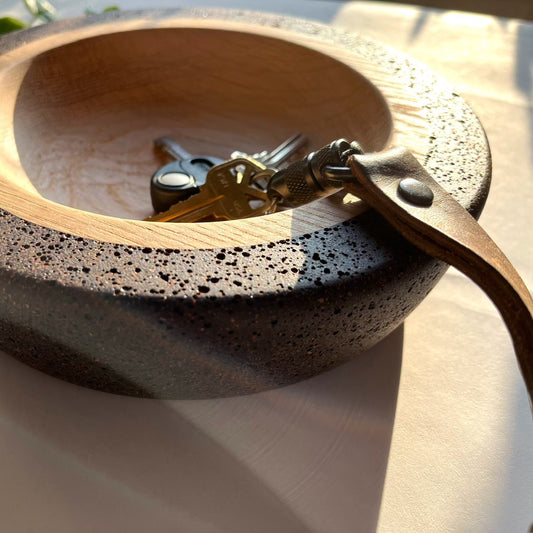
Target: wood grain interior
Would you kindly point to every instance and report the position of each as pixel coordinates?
(77, 153)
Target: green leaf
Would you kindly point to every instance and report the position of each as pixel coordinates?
(90, 11)
(9, 24)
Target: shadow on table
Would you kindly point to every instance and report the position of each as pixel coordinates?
(307, 457)
(524, 67)
(510, 9)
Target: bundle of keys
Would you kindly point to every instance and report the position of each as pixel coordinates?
(195, 188)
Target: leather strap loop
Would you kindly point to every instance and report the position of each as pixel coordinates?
(441, 227)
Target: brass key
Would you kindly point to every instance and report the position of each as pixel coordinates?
(228, 194)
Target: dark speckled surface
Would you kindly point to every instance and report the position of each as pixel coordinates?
(203, 323)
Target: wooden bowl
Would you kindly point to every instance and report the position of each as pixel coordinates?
(93, 294)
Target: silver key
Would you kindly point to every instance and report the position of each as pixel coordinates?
(280, 154)
(172, 148)
(284, 151)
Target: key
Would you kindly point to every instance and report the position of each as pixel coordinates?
(284, 151)
(172, 148)
(277, 156)
(280, 154)
(229, 193)
(178, 180)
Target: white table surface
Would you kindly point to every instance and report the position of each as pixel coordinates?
(428, 432)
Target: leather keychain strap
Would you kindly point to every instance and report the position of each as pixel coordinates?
(395, 184)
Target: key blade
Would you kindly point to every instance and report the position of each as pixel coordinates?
(172, 148)
(285, 150)
(189, 208)
(198, 214)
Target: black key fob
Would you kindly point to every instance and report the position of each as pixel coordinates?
(179, 180)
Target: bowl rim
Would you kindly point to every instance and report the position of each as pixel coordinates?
(458, 157)
(25, 202)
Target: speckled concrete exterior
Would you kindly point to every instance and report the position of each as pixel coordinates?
(203, 323)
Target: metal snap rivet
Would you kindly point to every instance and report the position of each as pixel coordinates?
(416, 192)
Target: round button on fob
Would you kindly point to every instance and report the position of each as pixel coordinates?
(177, 181)
(169, 185)
(174, 179)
